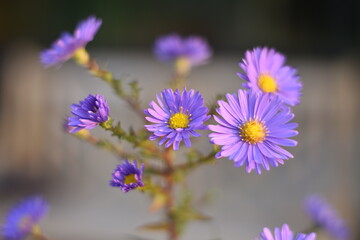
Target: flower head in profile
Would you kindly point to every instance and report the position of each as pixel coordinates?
(193, 50)
(23, 218)
(176, 117)
(68, 45)
(127, 176)
(326, 217)
(264, 71)
(90, 112)
(251, 129)
(284, 234)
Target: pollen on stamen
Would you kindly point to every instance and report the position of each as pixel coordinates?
(179, 120)
(253, 132)
(130, 179)
(267, 83)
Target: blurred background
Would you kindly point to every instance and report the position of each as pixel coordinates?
(320, 38)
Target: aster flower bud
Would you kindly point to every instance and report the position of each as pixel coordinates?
(89, 113)
(127, 176)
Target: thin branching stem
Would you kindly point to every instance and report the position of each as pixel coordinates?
(169, 165)
(105, 144)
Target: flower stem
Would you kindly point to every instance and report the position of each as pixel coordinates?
(131, 98)
(103, 143)
(201, 160)
(182, 68)
(169, 165)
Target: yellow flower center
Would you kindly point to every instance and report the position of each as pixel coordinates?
(36, 230)
(267, 83)
(182, 65)
(253, 132)
(81, 56)
(130, 179)
(179, 120)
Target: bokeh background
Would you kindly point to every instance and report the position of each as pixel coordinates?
(321, 38)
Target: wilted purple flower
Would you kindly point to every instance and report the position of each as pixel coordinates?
(326, 217)
(176, 117)
(90, 112)
(284, 234)
(264, 70)
(171, 48)
(23, 218)
(67, 45)
(251, 127)
(127, 176)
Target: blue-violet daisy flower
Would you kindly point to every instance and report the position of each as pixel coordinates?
(176, 117)
(264, 70)
(326, 217)
(23, 218)
(251, 126)
(193, 49)
(67, 45)
(284, 234)
(127, 176)
(90, 112)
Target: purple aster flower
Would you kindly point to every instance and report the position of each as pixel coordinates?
(86, 30)
(264, 70)
(250, 129)
(127, 176)
(171, 48)
(23, 218)
(284, 234)
(326, 217)
(90, 112)
(176, 117)
(66, 46)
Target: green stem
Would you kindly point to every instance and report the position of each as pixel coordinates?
(182, 69)
(172, 224)
(82, 58)
(115, 130)
(181, 167)
(132, 138)
(201, 160)
(102, 143)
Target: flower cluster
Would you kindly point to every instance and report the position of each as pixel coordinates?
(251, 127)
(67, 45)
(284, 233)
(23, 218)
(326, 217)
